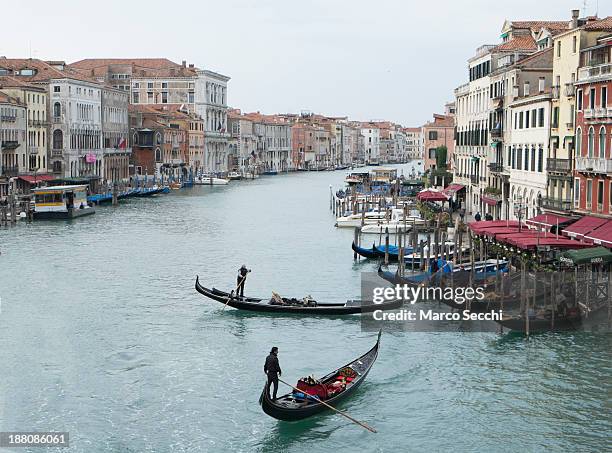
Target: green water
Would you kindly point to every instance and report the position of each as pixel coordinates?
(102, 335)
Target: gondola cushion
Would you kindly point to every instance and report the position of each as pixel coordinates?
(312, 389)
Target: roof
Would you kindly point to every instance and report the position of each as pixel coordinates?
(67, 187)
(6, 99)
(36, 178)
(44, 71)
(522, 42)
(604, 24)
(140, 67)
(536, 25)
(15, 82)
(586, 256)
(441, 121)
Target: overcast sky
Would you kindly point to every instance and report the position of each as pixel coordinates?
(368, 59)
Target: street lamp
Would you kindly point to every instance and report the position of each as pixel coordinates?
(519, 208)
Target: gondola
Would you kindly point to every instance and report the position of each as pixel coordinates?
(366, 253)
(378, 251)
(293, 305)
(297, 406)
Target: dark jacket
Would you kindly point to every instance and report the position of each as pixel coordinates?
(272, 365)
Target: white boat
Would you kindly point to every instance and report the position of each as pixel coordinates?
(395, 225)
(416, 257)
(234, 176)
(354, 220)
(210, 181)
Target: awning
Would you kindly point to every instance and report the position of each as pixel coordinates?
(36, 179)
(453, 188)
(431, 195)
(602, 235)
(584, 226)
(482, 226)
(548, 220)
(586, 256)
(490, 201)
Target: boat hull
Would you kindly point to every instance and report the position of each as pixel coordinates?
(63, 215)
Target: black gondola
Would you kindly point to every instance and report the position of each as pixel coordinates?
(366, 253)
(293, 406)
(292, 305)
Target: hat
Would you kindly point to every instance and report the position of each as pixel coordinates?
(243, 266)
(274, 350)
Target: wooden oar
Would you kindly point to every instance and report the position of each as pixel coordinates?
(229, 296)
(344, 414)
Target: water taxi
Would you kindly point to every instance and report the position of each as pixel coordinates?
(61, 202)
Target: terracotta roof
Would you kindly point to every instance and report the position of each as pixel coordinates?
(15, 82)
(536, 25)
(523, 42)
(411, 129)
(604, 24)
(140, 67)
(44, 71)
(6, 99)
(441, 121)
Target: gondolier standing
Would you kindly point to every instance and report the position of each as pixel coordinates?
(241, 279)
(272, 370)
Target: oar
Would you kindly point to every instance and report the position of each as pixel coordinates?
(344, 414)
(229, 296)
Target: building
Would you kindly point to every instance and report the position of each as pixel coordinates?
(436, 133)
(35, 98)
(243, 143)
(115, 130)
(371, 141)
(13, 120)
(155, 81)
(414, 143)
(593, 163)
(582, 33)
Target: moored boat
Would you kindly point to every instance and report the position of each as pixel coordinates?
(293, 305)
(331, 388)
(234, 176)
(61, 202)
(210, 181)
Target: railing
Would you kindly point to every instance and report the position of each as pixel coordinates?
(555, 92)
(595, 72)
(10, 171)
(496, 167)
(601, 112)
(558, 165)
(556, 204)
(589, 113)
(569, 89)
(497, 132)
(8, 118)
(10, 144)
(462, 89)
(594, 164)
(57, 119)
(56, 152)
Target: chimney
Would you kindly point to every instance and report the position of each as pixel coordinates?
(184, 63)
(526, 89)
(541, 84)
(575, 15)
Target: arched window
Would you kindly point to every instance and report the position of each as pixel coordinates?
(602, 142)
(158, 138)
(58, 139)
(57, 110)
(578, 142)
(158, 156)
(591, 142)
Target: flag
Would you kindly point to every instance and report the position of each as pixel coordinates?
(122, 143)
(253, 154)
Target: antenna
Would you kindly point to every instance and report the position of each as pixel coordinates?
(584, 8)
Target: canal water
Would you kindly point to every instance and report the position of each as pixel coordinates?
(103, 335)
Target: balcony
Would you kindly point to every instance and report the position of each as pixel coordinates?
(462, 89)
(10, 171)
(569, 89)
(8, 118)
(589, 113)
(32, 150)
(559, 165)
(555, 92)
(594, 165)
(497, 132)
(10, 144)
(593, 73)
(556, 204)
(56, 152)
(496, 167)
(601, 112)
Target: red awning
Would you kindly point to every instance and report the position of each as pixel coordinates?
(531, 243)
(490, 201)
(548, 220)
(36, 179)
(480, 227)
(453, 188)
(602, 235)
(584, 226)
(431, 195)
(493, 232)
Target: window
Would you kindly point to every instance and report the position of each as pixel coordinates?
(164, 84)
(513, 159)
(600, 193)
(164, 97)
(191, 97)
(532, 159)
(526, 163)
(534, 117)
(541, 117)
(432, 153)
(527, 119)
(158, 156)
(150, 85)
(558, 49)
(591, 142)
(592, 98)
(540, 160)
(520, 120)
(57, 110)
(576, 191)
(574, 44)
(519, 158)
(578, 142)
(579, 99)
(602, 142)
(604, 97)
(58, 139)
(433, 135)
(150, 97)
(555, 117)
(589, 193)
(56, 89)
(135, 97)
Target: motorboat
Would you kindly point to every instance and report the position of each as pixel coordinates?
(234, 176)
(210, 181)
(355, 220)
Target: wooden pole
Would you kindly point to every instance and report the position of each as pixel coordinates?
(329, 406)
(386, 246)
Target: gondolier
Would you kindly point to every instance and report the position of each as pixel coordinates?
(241, 280)
(273, 371)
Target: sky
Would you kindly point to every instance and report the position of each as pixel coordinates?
(366, 59)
